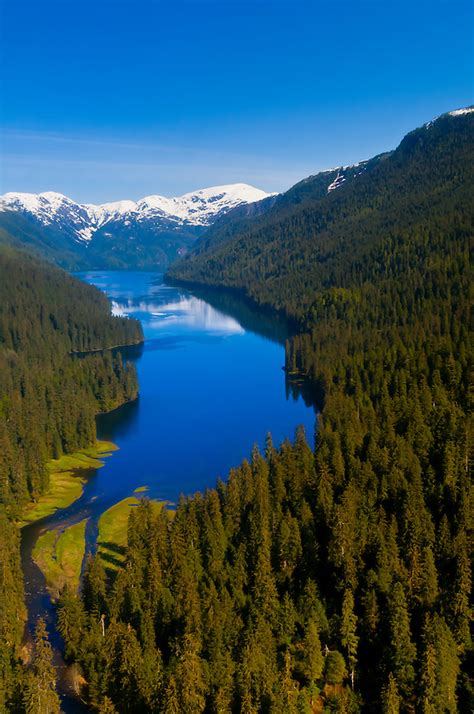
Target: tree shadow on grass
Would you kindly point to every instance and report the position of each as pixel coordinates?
(112, 556)
(114, 547)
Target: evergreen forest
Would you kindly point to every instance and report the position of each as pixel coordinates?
(338, 580)
(49, 398)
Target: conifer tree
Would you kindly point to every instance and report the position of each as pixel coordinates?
(390, 698)
(190, 677)
(287, 697)
(402, 649)
(349, 638)
(335, 667)
(107, 707)
(428, 680)
(312, 653)
(40, 696)
(171, 703)
(94, 586)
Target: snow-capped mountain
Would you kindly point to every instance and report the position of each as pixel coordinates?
(81, 221)
(147, 234)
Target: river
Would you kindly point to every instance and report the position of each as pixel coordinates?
(211, 386)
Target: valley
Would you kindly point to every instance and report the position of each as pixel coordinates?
(282, 523)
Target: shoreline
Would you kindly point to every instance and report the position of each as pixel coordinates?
(67, 481)
(106, 349)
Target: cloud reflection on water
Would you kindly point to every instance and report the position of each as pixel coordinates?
(187, 312)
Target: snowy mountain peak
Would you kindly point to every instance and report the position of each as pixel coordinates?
(454, 113)
(33, 201)
(204, 206)
(242, 192)
(460, 112)
(197, 208)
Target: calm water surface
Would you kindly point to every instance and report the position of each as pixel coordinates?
(211, 386)
(209, 389)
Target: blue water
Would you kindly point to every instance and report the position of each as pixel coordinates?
(209, 390)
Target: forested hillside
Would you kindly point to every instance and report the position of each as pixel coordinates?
(258, 215)
(17, 232)
(48, 402)
(366, 230)
(338, 581)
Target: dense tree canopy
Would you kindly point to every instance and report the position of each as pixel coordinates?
(48, 401)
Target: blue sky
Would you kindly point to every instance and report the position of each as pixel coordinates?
(111, 99)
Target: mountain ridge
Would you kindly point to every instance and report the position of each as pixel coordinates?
(310, 230)
(196, 207)
(147, 233)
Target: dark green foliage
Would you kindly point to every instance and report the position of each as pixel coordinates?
(48, 402)
(48, 399)
(335, 667)
(39, 695)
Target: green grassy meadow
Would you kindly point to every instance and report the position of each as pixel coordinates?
(59, 555)
(67, 480)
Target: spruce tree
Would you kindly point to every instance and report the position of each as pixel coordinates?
(107, 707)
(335, 667)
(402, 649)
(312, 653)
(40, 696)
(349, 638)
(390, 698)
(171, 702)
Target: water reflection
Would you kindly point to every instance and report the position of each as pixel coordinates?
(188, 312)
(263, 321)
(120, 421)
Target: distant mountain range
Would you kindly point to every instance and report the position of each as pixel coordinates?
(149, 233)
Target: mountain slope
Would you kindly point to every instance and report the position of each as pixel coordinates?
(249, 217)
(17, 231)
(315, 237)
(148, 233)
(235, 221)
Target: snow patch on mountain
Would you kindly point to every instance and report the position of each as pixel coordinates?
(340, 178)
(460, 112)
(344, 171)
(455, 113)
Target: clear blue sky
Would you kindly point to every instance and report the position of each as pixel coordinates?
(118, 99)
